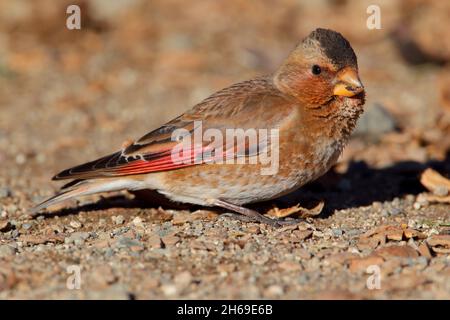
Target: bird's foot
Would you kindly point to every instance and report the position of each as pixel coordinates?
(249, 215)
(276, 223)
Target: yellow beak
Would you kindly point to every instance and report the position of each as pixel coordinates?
(348, 83)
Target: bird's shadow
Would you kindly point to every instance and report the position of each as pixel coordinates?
(360, 185)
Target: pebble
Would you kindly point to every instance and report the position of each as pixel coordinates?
(353, 232)
(77, 238)
(394, 211)
(12, 208)
(118, 220)
(137, 222)
(183, 279)
(109, 252)
(440, 191)
(6, 250)
(409, 199)
(21, 158)
(126, 242)
(75, 224)
(27, 226)
(5, 192)
(274, 290)
(422, 200)
(377, 205)
(337, 232)
(169, 289)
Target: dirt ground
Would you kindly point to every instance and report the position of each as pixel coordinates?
(69, 96)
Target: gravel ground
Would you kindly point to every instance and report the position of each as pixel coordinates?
(71, 96)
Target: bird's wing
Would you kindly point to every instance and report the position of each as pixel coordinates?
(243, 106)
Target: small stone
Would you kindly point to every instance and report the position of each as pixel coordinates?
(6, 250)
(397, 251)
(361, 264)
(118, 220)
(254, 229)
(75, 224)
(440, 191)
(394, 234)
(440, 243)
(337, 232)
(226, 268)
(274, 291)
(422, 200)
(5, 192)
(417, 205)
(27, 226)
(409, 199)
(38, 239)
(377, 205)
(170, 240)
(77, 238)
(126, 242)
(395, 211)
(169, 289)
(137, 222)
(302, 234)
(411, 233)
(21, 158)
(154, 241)
(181, 218)
(424, 251)
(352, 232)
(12, 208)
(183, 279)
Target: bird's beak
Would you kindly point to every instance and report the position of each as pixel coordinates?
(347, 83)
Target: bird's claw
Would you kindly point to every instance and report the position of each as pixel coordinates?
(276, 223)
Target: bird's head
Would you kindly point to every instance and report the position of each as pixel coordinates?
(321, 68)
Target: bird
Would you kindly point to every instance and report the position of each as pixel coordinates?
(300, 117)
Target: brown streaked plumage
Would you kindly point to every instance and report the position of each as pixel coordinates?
(314, 100)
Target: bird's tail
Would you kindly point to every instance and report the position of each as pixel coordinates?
(82, 188)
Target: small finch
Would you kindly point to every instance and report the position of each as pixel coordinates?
(302, 116)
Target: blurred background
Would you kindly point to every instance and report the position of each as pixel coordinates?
(67, 96)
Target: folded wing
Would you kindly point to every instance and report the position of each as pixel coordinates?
(241, 106)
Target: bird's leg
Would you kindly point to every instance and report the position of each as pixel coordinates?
(252, 215)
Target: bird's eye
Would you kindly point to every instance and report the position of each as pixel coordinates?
(316, 69)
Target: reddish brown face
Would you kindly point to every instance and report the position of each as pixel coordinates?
(319, 84)
(322, 67)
